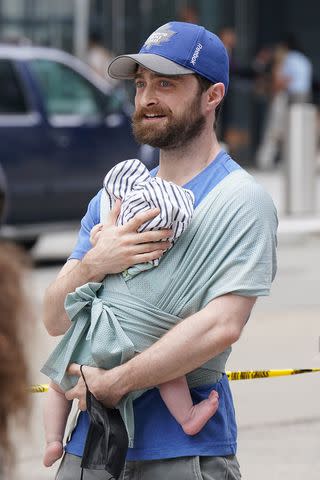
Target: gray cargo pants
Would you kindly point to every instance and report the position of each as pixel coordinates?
(182, 468)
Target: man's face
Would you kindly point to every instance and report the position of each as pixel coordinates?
(168, 111)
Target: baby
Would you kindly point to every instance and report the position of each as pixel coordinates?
(131, 182)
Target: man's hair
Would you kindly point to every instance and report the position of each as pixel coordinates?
(204, 85)
(95, 37)
(292, 43)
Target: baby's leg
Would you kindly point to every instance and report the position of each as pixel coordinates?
(55, 414)
(176, 396)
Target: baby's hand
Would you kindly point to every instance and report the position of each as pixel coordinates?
(95, 233)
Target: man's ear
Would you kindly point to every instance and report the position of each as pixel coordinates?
(215, 95)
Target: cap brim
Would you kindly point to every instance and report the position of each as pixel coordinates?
(124, 67)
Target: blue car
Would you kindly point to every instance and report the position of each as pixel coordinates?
(62, 127)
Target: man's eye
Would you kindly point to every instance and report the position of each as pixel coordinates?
(139, 84)
(164, 83)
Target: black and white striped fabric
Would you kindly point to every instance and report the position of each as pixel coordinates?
(131, 182)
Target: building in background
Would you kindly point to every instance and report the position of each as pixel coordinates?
(41, 22)
(123, 24)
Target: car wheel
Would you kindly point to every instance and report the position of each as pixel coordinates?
(28, 243)
(2, 194)
(2, 203)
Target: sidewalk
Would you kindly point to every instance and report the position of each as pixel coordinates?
(275, 183)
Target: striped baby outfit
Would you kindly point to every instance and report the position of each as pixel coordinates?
(131, 182)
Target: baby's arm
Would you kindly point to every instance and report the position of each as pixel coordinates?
(95, 233)
(55, 414)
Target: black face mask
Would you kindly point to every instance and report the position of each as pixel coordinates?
(107, 440)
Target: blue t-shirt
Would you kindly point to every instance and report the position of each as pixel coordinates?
(157, 433)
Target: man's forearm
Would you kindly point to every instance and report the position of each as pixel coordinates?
(184, 348)
(188, 345)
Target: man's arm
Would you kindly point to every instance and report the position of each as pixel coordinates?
(118, 248)
(191, 343)
(184, 348)
(72, 275)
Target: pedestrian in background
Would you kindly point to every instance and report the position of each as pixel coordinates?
(232, 129)
(98, 56)
(296, 72)
(14, 398)
(291, 83)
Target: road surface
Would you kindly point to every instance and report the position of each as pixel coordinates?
(279, 418)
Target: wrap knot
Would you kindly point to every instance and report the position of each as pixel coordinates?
(97, 308)
(81, 298)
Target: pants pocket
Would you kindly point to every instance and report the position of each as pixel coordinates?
(233, 468)
(216, 468)
(197, 468)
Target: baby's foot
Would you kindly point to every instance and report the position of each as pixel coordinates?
(53, 452)
(200, 413)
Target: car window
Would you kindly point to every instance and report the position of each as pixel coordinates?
(12, 100)
(65, 91)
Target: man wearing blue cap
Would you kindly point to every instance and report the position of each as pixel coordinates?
(181, 77)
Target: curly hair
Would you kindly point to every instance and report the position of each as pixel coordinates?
(13, 367)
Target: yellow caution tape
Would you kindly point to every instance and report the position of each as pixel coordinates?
(39, 388)
(253, 374)
(246, 375)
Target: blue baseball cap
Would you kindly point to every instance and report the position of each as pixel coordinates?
(177, 48)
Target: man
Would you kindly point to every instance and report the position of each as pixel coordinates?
(14, 371)
(181, 77)
(296, 72)
(98, 56)
(291, 84)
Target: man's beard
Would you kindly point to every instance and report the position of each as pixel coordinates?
(174, 132)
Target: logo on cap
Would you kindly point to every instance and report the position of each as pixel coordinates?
(196, 54)
(163, 34)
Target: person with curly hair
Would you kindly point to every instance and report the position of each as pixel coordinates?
(14, 398)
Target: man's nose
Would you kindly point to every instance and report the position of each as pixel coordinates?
(148, 97)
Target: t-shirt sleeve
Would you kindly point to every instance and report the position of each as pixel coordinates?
(246, 251)
(91, 218)
(257, 249)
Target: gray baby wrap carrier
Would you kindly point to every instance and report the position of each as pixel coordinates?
(113, 320)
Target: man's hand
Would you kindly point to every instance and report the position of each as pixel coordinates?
(120, 247)
(103, 384)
